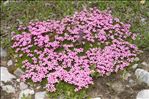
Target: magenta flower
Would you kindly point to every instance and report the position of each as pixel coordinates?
(67, 49)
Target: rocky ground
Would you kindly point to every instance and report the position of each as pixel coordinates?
(131, 84)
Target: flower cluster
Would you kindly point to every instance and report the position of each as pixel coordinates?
(66, 49)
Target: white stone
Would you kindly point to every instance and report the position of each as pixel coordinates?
(134, 66)
(40, 95)
(3, 52)
(18, 72)
(143, 20)
(6, 2)
(8, 89)
(9, 63)
(142, 75)
(136, 59)
(1, 83)
(38, 87)
(144, 63)
(144, 94)
(18, 80)
(5, 75)
(26, 93)
(23, 86)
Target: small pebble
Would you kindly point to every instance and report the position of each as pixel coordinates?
(144, 63)
(134, 66)
(136, 59)
(26, 93)
(18, 72)
(9, 63)
(9, 89)
(40, 95)
(23, 86)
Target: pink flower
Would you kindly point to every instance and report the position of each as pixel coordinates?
(66, 49)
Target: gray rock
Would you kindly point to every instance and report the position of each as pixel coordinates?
(38, 87)
(6, 2)
(18, 80)
(3, 52)
(136, 59)
(145, 64)
(144, 94)
(143, 20)
(5, 75)
(18, 72)
(26, 93)
(9, 63)
(23, 86)
(1, 83)
(142, 76)
(134, 66)
(40, 95)
(9, 89)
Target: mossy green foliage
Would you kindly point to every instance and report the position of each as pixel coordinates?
(66, 91)
(128, 11)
